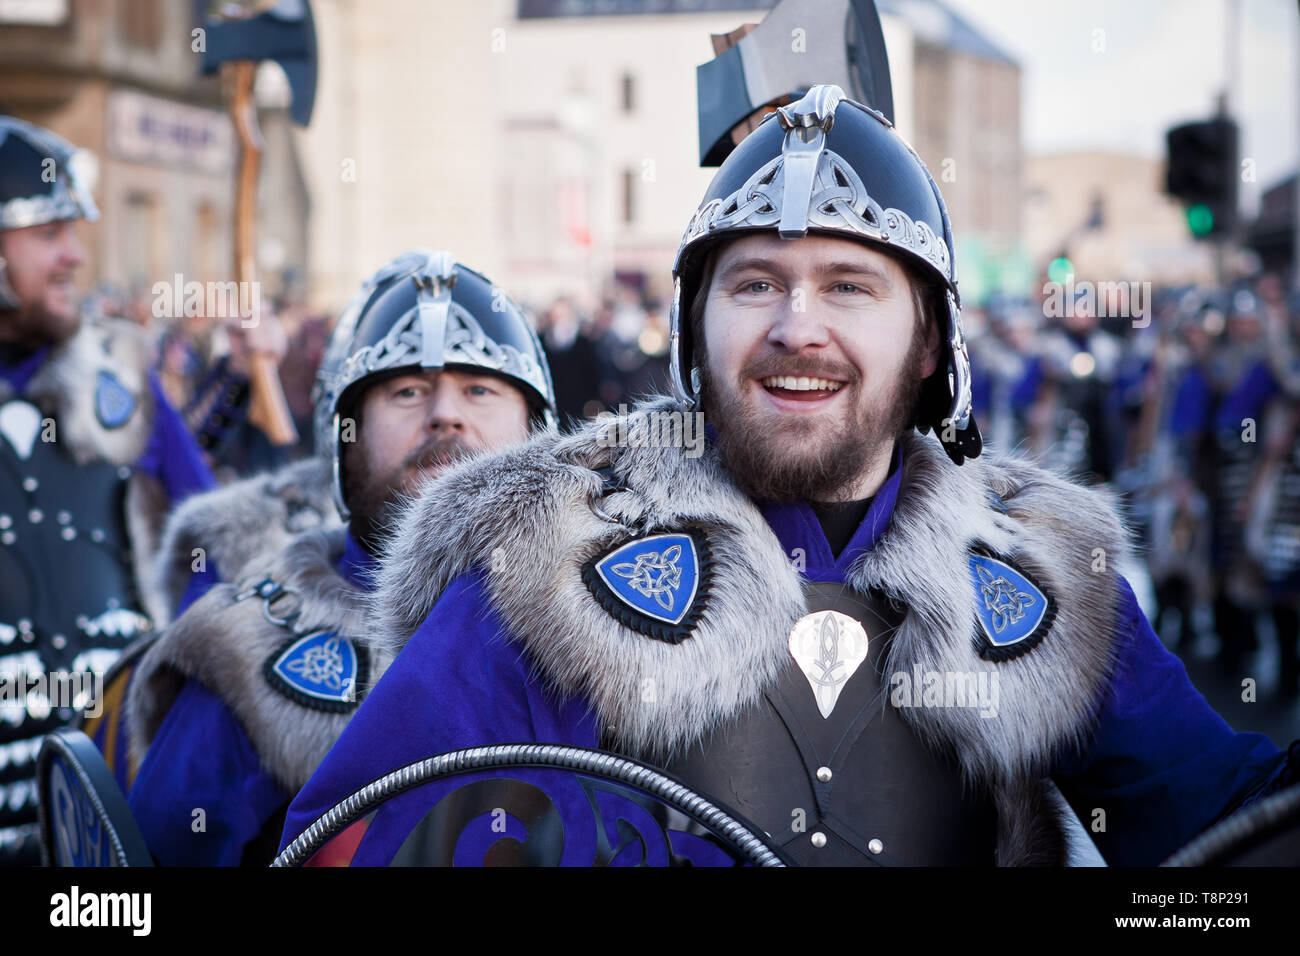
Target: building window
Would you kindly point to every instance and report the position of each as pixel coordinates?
(629, 93)
(629, 196)
(142, 255)
(141, 23)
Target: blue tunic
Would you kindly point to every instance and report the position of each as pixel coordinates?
(1162, 764)
(201, 759)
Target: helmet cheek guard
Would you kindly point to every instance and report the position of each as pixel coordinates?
(423, 311)
(832, 166)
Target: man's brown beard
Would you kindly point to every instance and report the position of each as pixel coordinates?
(375, 501)
(31, 327)
(752, 450)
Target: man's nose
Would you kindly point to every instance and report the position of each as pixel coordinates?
(73, 252)
(445, 408)
(798, 324)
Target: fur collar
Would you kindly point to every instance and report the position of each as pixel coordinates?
(65, 388)
(225, 644)
(245, 525)
(525, 515)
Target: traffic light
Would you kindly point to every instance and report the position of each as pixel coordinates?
(1202, 172)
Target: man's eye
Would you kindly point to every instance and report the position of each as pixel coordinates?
(409, 392)
(848, 288)
(480, 390)
(757, 286)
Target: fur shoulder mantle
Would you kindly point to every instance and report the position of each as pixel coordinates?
(96, 386)
(243, 526)
(228, 641)
(533, 516)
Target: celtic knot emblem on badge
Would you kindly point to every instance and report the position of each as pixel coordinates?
(114, 405)
(1005, 602)
(656, 574)
(322, 664)
(320, 670)
(1013, 612)
(657, 584)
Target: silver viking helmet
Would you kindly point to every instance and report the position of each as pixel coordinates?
(424, 310)
(43, 179)
(832, 166)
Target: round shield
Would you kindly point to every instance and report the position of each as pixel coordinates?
(535, 805)
(84, 819)
(1266, 833)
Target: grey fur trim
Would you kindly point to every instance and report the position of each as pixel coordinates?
(64, 388)
(529, 507)
(524, 515)
(1051, 531)
(225, 644)
(244, 525)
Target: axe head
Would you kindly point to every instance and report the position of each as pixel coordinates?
(799, 45)
(284, 32)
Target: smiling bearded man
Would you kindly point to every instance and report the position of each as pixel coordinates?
(828, 423)
(875, 646)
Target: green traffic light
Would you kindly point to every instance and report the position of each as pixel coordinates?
(1200, 219)
(1060, 269)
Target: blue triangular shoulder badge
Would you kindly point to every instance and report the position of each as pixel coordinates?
(114, 403)
(1013, 613)
(657, 585)
(321, 670)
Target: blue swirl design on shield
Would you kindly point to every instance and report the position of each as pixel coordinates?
(1013, 612)
(656, 576)
(114, 403)
(321, 669)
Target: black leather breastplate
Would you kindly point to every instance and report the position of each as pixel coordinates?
(851, 788)
(67, 598)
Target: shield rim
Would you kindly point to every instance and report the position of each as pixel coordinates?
(81, 755)
(737, 832)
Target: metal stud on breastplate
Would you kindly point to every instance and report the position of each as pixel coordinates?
(819, 839)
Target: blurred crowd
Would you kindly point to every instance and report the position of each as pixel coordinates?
(1187, 404)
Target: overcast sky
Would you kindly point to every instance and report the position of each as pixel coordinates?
(1161, 62)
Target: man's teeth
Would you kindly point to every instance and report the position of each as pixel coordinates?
(802, 383)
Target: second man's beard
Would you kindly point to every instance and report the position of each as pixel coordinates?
(33, 327)
(377, 501)
(773, 465)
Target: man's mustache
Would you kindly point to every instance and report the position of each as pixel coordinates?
(798, 366)
(437, 452)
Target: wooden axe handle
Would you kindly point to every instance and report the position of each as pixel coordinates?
(269, 410)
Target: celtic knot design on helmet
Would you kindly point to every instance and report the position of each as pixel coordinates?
(839, 201)
(465, 343)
